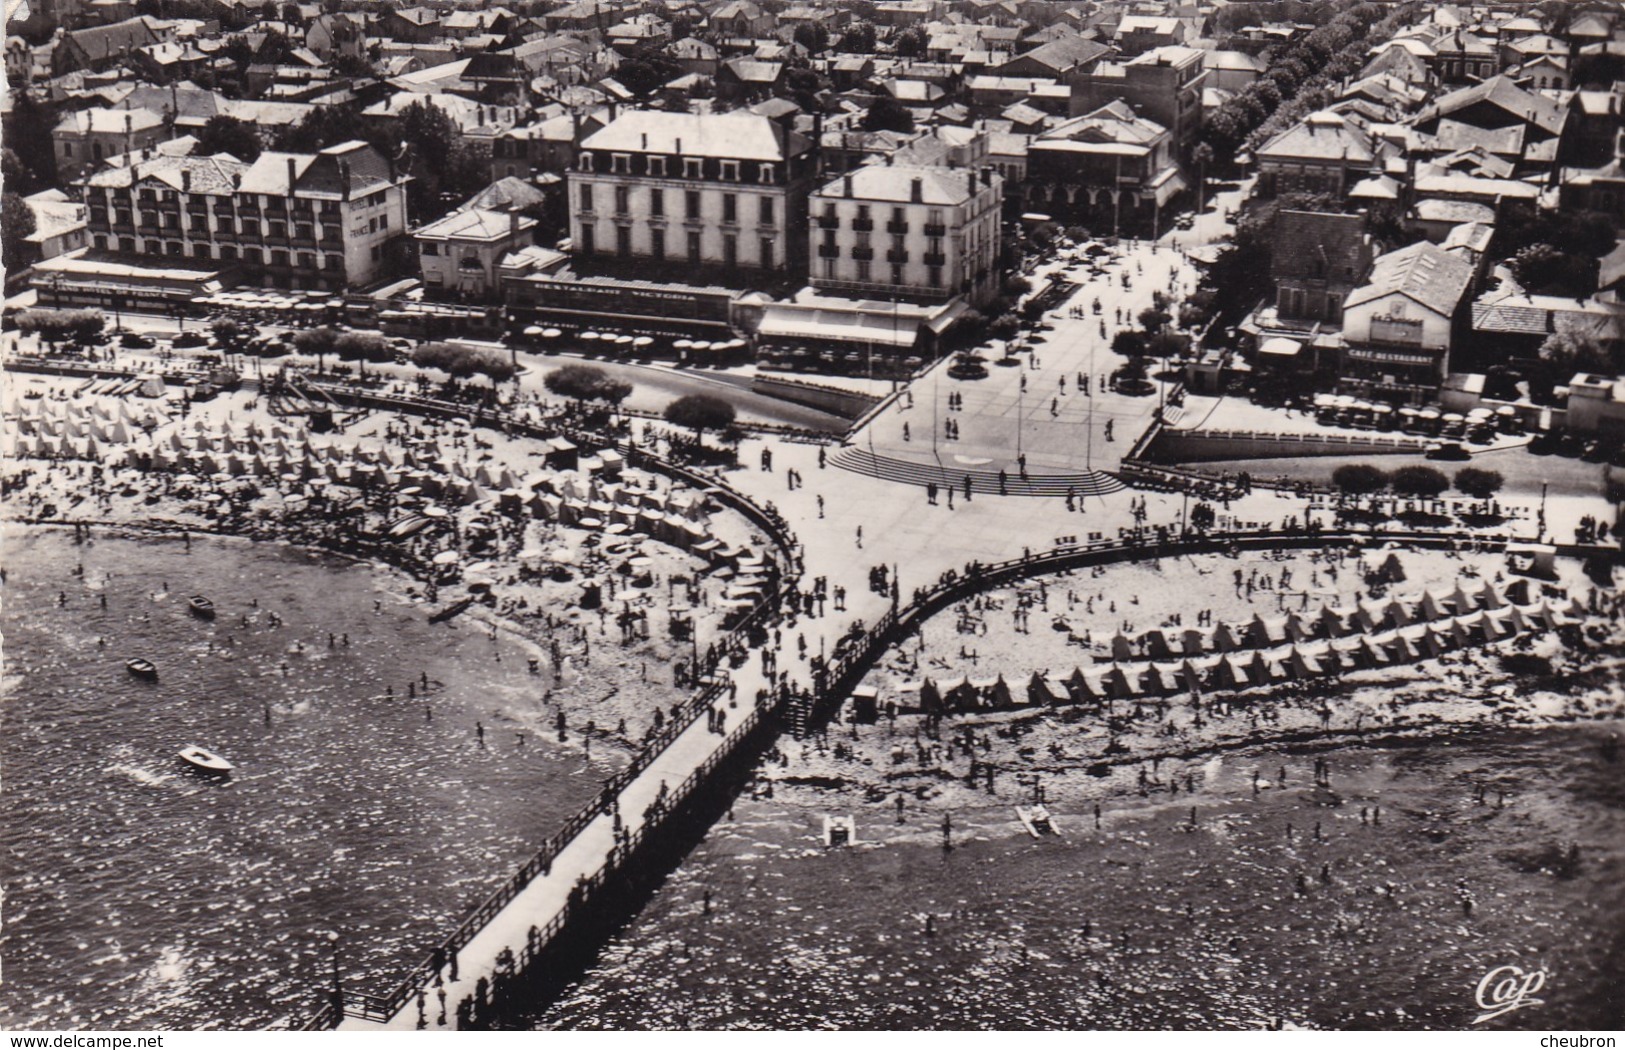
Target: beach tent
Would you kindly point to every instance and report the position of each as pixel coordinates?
(1115, 683)
(1224, 638)
(1230, 672)
(1079, 689)
(1159, 680)
(1192, 642)
(1303, 664)
(1154, 643)
(1122, 648)
(1042, 689)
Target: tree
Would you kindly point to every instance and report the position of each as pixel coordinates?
(1154, 319)
(16, 224)
(1570, 350)
(224, 134)
(1201, 156)
(16, 176)
(586, 383)
(28, 134)
(700, 412)
(1359, 479)
(1004, 326)
(814, 36)
(910, 43)
(647, 70)
(859, 39)
(1016, 286)
(315, 342)
(887, 114)
(227, 331)
(1544, 269)
(362, 346)
(1129, 343)
(464, 362)
(1478, 482)
(1420, 482)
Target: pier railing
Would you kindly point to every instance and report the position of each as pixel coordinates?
(854, 657)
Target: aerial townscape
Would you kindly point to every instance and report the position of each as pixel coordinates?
(1111, 512)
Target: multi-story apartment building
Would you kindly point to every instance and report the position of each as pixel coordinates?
(684, 193)
(290, 220)
(1163, 85)
(908, 232)
(1111, 170)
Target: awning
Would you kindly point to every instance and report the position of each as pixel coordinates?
(1281, 346)
(840, 326)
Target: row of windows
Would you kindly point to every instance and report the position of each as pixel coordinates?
(227, 253)
(899, 216)
(933, 245)
(198, 224)
(766, 207)
(933, 274)
(692, 167)
(767, 247)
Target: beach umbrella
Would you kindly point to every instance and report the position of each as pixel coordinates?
(551, 333)
(588, 337)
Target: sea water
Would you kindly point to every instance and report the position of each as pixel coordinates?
(139, 895)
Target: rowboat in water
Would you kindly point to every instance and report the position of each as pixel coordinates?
(201, 606)
(141, 667)
(840, 831)
(1036, 820)
(202, 760)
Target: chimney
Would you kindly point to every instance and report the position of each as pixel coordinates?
(513, 225)
(846, 185)
(916, 190)
(344, 179)
(186, 180)
(678, 149)
(645, 140)
(293, 175)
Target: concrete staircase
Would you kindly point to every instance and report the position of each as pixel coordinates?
(983, 481)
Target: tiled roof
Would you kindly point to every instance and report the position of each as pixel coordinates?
(742, 136)
(1502, 93)
(1321, 136)
(894, 184)
(212, 175)
(1422, 272)
(475, 224)
(110, 121)
(1306, 241)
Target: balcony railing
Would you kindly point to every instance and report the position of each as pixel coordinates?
(829, 251)
(828, 222)
(935, 259)
(935, 229)
(863, 225)
(863, 254)
(896, 227)
(895, 255)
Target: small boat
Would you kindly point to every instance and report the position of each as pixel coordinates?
(451, 610)
(1036, 820)
(840, 831)
(205, 761)
(142, 668)
(201, 606)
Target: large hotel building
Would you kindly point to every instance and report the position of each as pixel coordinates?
(288, 220)
(722, 193)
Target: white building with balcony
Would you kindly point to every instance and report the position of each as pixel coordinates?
(690, 194)
(916, 233)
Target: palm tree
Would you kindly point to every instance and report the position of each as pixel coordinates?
(1202, 155)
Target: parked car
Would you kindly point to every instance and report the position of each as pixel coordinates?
(1446, 450)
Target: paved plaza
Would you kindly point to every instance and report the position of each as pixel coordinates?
(1037, 409)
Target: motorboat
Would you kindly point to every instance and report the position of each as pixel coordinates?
(141, 667)
(201, 606)
(204, 761)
